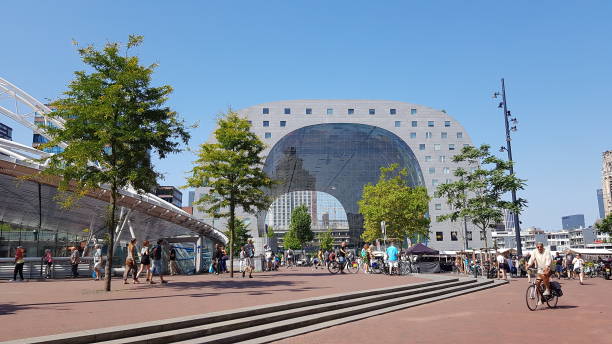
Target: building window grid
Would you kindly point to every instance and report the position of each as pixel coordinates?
(414, 124)
(392, 111)
(265, 111)
(413, 111)
(287, 111)
(308, 111)
(443, 135)
(398, 124)
(266, 123)
(330, 111)
(413, 135)
(421, 146)
(372, 111)
(350, 111)
(283, 123)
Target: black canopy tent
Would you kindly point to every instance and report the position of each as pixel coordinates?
(420, 249)
(424, 266)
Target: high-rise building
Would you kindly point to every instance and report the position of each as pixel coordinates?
(600, 204)
(6, 132)
(38, 140)
(191, 198)
(170, 194)
(572, 221)
(606, 179)
(279, 213)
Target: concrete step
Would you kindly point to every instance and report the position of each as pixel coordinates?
(158, 326)
(331, 323)
(291, 326)
(291, 313)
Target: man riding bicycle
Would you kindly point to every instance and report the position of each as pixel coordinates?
(342, 253)
(542, 259)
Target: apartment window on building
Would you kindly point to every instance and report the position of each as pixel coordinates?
(413, 135)
(459, 135)
(468, 234)
(308, 111)
(438, 206)
(432, 170)
(430, 124)
(454, 236)
(447, 123)
(414, 124)
(350, 111)
(442, 158)
(265, 111)
(268, 135)
(428, 135)
(413, 111)
(436, 147)
(427, 158)
(287, 111)
(392, 111)
(283, 123)
(434, 182)
(439, 236)
(422, 146)
(330, 111)
(372, 111)
(266, 123)
(448, 181)
(446, 170)
(444, 135)
(398, 123)
(451, 146)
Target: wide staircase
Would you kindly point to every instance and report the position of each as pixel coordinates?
(267, 323)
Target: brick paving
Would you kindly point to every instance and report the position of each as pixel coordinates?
(497, 315)
(31, 309)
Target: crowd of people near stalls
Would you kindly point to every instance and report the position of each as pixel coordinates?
(506, 264)
(148, 260)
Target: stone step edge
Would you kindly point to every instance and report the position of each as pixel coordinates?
(295, 323)
(256, 320)
(304, 330)
(117, 332)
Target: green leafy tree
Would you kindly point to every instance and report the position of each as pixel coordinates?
(241, 235)
(483, 179)
(402, 207)
(326, 240)
(232, 170)
(300, 225)
(605, 225)
(270, 232)
(113, 120)
(290, 241)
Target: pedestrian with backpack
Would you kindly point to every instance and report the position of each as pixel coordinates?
(145, 261)
(156, 261)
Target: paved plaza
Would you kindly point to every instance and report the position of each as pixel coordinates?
(31, 309)
(497, 315)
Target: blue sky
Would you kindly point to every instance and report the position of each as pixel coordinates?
(556, 58)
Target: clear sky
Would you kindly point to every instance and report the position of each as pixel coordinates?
(556, 57)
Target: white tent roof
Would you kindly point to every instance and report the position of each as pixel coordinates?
(598, 251)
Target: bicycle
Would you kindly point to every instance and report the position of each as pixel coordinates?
(349, 265)
(535, 294)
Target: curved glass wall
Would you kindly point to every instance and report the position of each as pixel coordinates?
(338, 159)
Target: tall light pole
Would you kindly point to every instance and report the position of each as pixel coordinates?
(508, 148)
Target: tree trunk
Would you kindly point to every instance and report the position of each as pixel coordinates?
(231, 226)
(111, 240)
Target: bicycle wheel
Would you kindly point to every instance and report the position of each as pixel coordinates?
(334, 267)
(552, 301)
(531, 296)
(353, 267)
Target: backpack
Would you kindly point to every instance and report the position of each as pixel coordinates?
(156, 254)
(556, 287)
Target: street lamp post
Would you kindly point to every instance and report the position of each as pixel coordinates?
(508, 148)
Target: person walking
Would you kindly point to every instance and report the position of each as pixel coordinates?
(578, 264)
(392, 258)
(47, 262)
(97, 261)
(242, 255)
(289, 256)
(217, 256)
(320, 259)
(365, 258)
(249, 250)
(130, 263)
(224, 259)
(569, 265)
(156, 261)
(19, 262)
(145, 261)
(75, 257)
(501, 265)
(172, 258)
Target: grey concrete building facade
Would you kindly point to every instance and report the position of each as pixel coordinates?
(572, 221)
(338, 146)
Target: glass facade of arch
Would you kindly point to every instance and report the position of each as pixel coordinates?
(338, 159)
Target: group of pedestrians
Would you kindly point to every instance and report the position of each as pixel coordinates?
(150, 262)
(220, 258)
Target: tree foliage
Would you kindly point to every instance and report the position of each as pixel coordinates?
(270, 232)
(232, 170)
(113, 120)
(391, 199)
(300, 224)
(241, 235)
(605, 225)
(483, 179)
(326, 240)
(290, 241)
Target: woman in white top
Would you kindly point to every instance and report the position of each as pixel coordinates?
(97, 260)
(578, 263)
(145, 261)
(501, 265)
